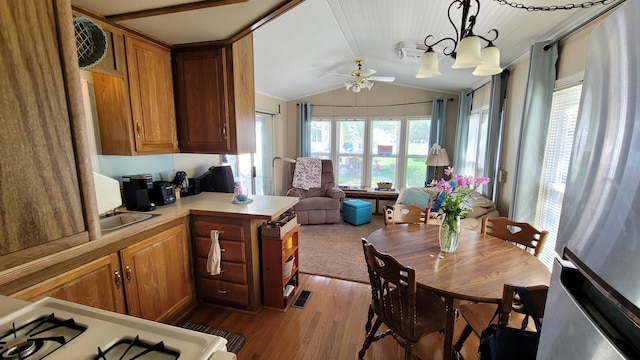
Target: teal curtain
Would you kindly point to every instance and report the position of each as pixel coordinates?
(305, 117)
(438, 129)
(494, 138)
(462, 130)
(533, 133)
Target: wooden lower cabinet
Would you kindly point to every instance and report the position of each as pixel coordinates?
(150, 279)
(157, 274)
(238, 284)
(97, 284)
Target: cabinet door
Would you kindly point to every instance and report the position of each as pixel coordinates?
(97, 284)
(40, 197)
(157, 274)
(202, 114)
(151, 91)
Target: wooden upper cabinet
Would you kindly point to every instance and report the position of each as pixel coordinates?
(136, 112)
(151, 91)
(215, 98)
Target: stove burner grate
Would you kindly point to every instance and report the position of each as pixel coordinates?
(130, 349)
(38, 337)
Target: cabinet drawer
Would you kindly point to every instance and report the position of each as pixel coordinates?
(230, 250)
(229, 232)
(229, 271)
(221, 291)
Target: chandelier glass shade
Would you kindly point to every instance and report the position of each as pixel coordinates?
(358, 83)
(467, 46)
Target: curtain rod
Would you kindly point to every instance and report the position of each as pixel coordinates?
(366, 106)
(589, 21)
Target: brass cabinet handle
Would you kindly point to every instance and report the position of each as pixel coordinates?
(127, 271)
(139, 128)
(117, 279)
(224, 132)
(223, 291)
(222, 249)
(223, 271)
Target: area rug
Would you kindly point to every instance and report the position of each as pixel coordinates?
(335, 250)
(235, 341)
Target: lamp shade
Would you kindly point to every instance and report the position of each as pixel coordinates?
(490, 62)
(428, 65)
(438, 157)
(469, 53)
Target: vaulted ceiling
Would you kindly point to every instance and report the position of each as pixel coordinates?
(304, 47)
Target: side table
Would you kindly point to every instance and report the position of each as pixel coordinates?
(368, 193)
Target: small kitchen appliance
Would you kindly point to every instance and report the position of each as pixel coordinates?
(136, 192)
(219, 179)
(163, 193)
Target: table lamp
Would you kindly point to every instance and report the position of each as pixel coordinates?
(437, 157)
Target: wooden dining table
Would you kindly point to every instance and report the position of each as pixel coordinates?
(476, 271)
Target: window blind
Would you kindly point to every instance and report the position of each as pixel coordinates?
(564, 112)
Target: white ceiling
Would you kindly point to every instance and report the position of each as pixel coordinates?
(301, 52)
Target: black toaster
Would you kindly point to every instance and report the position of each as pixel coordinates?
(163, 193)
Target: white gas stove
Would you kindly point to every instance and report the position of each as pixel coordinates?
(55, 329)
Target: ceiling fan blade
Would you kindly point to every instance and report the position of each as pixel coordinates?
(340, 74)
(383, 78)
(368, 72)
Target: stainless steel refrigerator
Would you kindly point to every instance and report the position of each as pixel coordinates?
(594, 297)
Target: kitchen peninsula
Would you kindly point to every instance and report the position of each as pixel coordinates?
(154, 261)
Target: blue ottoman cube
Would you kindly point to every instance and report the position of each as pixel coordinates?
(356, 212)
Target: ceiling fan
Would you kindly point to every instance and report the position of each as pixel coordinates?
(363, 78)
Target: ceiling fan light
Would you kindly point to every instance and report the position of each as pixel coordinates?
(428, 65)
(490, 62)
(468, 53)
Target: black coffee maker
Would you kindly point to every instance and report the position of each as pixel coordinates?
(136, 189)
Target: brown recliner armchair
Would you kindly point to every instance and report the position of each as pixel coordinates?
(318, 205)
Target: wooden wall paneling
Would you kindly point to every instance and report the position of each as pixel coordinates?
(40, 196)
(244, 96)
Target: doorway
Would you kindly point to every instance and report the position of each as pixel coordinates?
(255, 169)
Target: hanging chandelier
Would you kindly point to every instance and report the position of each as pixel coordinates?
(467, 48)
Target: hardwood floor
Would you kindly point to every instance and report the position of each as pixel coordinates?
(331, 326)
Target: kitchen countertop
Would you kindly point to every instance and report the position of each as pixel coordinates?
(263, 207)
(220, 204)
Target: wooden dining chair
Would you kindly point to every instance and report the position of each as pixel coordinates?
(521, 233)
(478, 315)
(405, 214)
(408, 312)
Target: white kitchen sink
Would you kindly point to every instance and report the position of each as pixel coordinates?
(121, 220)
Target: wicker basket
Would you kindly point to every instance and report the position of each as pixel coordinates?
(287, 267)
(385, 185)
(277, 229)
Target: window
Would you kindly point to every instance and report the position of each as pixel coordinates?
(385, 139)
(370, 150)
(564, 112)
(476, 143)
(350, 134)
(321, 138)
(418, 130)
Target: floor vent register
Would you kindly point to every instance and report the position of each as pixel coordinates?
(302, 299)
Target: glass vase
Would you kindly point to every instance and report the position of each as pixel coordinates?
(449, 231)
(239, 190)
